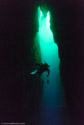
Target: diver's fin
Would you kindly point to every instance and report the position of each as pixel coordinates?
(34, 72)
(47, 81)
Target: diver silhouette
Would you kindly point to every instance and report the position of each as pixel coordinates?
(42, 68)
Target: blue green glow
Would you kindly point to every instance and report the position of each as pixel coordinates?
(49, 50)
(53, 93)
(45, 36)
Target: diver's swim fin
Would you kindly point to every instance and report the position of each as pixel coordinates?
(34, 72)
(47, 81)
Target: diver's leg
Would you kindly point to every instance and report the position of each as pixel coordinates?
(48, 72)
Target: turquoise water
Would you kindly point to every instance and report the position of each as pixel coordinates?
(53, 101)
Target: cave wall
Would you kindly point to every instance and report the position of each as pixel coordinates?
(70, 39)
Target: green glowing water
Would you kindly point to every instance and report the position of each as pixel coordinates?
(49, 54)
(53, 93)
(45, 34)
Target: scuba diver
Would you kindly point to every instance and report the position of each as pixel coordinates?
(42, 68)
